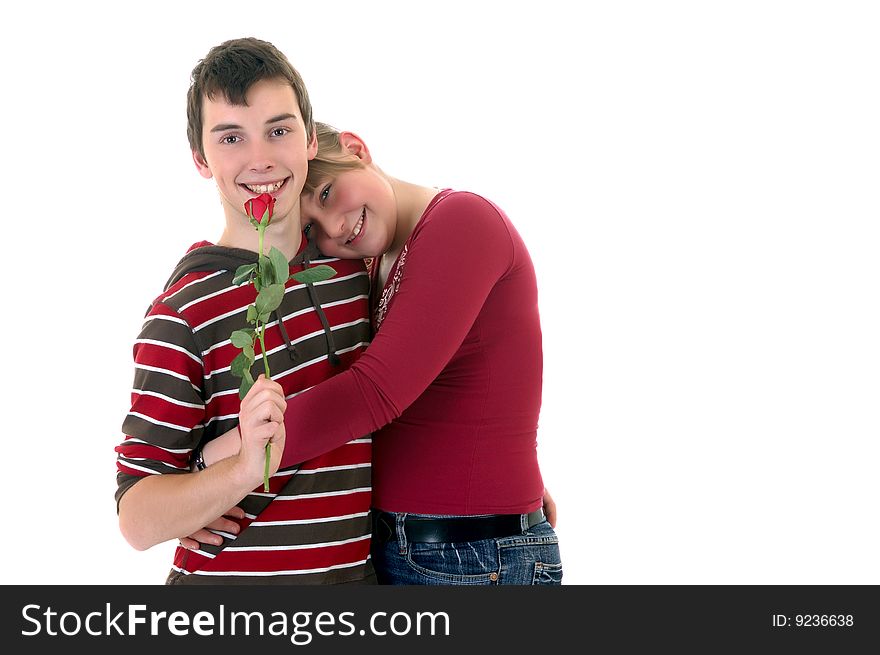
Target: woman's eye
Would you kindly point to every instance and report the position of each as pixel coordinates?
(325, 192)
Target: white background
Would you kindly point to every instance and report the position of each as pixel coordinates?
(697, 183)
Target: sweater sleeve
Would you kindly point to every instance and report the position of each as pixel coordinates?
(167, 414)
(456, 254)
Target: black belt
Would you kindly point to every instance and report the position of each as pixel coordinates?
(440, 530)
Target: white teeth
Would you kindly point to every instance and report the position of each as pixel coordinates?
(358, 227)
(265, 188)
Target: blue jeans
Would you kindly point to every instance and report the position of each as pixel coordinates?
(529, 558)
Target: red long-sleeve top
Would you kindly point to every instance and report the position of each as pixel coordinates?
(452, 376)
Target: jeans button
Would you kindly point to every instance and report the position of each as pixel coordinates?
(493, 577)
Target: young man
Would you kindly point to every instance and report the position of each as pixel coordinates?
(250, 129)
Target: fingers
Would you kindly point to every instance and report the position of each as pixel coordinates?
(206, 536)
(266, 412)
(262, 410)
(261, 434)
(203, 536)
(277, 449)
(199, 537)
(549, 508)
(264, 390)
(551, 516)
(279, 435)
(222, 524)
(261, 421)
(234, 512)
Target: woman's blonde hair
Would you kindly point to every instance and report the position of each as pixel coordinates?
(331, 160)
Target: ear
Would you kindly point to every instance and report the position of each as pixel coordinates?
(312, 148)
(202, 165)
(356, 146)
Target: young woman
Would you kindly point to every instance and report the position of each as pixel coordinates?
(450, 384)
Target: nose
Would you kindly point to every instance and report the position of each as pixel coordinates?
(333, 226)
(260, 160)
(341, 231)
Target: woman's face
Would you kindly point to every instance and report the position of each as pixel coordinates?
(353, 214)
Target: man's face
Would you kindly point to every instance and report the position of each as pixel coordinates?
(258, 148)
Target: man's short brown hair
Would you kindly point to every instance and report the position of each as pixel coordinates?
(231, 68)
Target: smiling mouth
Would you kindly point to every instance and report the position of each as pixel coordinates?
(271, 187)
(358, 228)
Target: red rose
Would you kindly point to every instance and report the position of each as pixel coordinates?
(260, 208)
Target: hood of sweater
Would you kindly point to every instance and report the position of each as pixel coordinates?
(205, 256)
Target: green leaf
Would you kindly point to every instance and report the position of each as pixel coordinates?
(248, 352)
(246, 384)
(315, 274)
(242, 273)
(258, 285)
(239, 365)
(264, 318)
(254, 222)
(269, 298)
(280, 265)
(267, 271)
(242, 338)
(251, 314)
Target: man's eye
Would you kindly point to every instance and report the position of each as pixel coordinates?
(230, 139)
(280, 131)
(325, 192)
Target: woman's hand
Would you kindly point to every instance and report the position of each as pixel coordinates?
(549, 508)
(220, 524)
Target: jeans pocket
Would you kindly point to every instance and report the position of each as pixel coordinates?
(547, 574)
(531, 558)
(467, 563)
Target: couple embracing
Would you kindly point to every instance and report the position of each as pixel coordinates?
(401, 414)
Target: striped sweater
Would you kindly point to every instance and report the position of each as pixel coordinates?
(313, 526)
